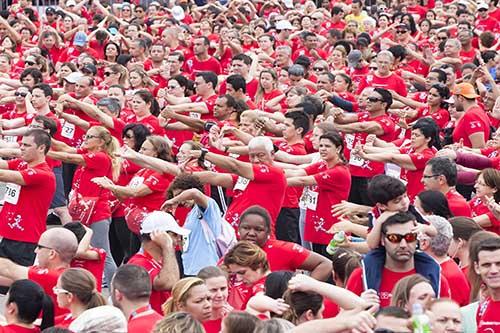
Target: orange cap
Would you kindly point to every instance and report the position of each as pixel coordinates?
(465, 89)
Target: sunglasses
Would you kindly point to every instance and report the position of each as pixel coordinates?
(374, 68)
(374, 99)
(319, 69)
(21, 94)
(107, 73)
(397, 238)
(29, 63)
(442, 38)
(88, 136)
(128, 136)
(40, 247)
(401, 32)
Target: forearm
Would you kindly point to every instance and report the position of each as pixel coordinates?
(341, 103)
(473, 161)
(67, 157)
(169, 273)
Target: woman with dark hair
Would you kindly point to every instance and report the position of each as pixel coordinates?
(406, 162)
(329, 182)
(143, 104)
(111, 52)
(435, 108)
(432, 203)
(26, 301)
(487, 187)
(31, 77)
(463, 229)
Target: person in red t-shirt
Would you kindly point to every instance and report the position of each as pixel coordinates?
(486, 189)
(159, 233)
(30, 187)
(487, 266)
(130, 292)
(142, 104)
(437, 247)
(259, 182)
(255, 227)
(25, 303)
(385, 266)
(473, 126)
(329, 181)
(407, 163)
(248, 264)
(76, 291)
(440, 174)
(55, 250)
(202, 61)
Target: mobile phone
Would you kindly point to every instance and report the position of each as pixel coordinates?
(113, 31)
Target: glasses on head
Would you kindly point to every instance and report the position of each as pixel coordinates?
(57, 291)
(20, 94)
(108, 73)
(401, 32)
(374, 99)
(397, 238)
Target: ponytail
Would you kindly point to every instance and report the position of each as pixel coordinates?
(47, 312)
(96, 299)
(111, 146)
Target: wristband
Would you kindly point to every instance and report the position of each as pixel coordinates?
(201, 159)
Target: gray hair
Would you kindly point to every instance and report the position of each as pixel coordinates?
(111, 103)
(440, 243)
(285, 48)
(262, 141)
(296, 70)
(456, 43)
(386, 54)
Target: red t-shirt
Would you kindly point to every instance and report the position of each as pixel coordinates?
(285, 256)
(212, 326)
(96, 165)
(64, 320)
(473, 121)
(307, 53)
(25, 208)
(414, 177)
(267, 189)
(479, 208)
(193, 65)
(358, 166)
(158, 297)
(151, 122)
(388, 281)
(441, 117)
(47, 279)
(391, 82)
(96, 267)
(332, 186)
(458, 205)
(18, 329)
(143, 320)
(487, 318)
(459, 286)
(251, 87)
(209, 102)
(292, 193)
(70, 133)
(156, 182)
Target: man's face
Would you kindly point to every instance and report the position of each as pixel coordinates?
(29, 150)
(311, 42)
(401, 251)
(132, 31)
(117, 93)
(199, 47)
(83, 88)
(290, 132)
(295, 80)
(221, 110)
(201, 85)
(432, 78)
(38, 99)
(282, 58)
(175, 64)
(157, 53)
(135, 50)
(355, 8)
(488, 267)
(259, 154)
(483, 13)
(374, 102)
(239, 67)
(430, 180)
(450, 49)
(384, 64)
(398, 204)
(324, 83)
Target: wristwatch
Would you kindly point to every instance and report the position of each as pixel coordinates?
(201, 159)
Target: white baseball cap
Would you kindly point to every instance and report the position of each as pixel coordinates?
(161, 221)
(284, 25)
(178, 13)
(70, 3)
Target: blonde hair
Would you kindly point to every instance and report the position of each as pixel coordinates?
(178, 322)
(111, 146)
(146, 80)
(180, 294)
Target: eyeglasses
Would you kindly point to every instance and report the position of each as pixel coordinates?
(21, 94)
(319, 69)
(89, 136)
(108, 73)
(128, 136)
(41, 247)
(373, 68)
(374, 99)
(172, 87)
(442, 38)
(401, 31)
(397, 238)
(58, 291)
(430, 176)
(316, 18)
(482, 10)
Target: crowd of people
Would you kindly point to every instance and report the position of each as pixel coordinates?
(250, 166)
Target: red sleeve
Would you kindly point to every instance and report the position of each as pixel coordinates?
(331, 179)
(472, 125)
(96, 160)
(420, 159)
(355, 283)
(386, 124)
(13, 164)
(312, 169)
(444, 288)
(262, 173)
(156, 182)
(297, 253)
(33, 176)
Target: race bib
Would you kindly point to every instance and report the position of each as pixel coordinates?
(12, 192)
(241, 183)
(356, 160)
(195, 115)
(349, 141)
(312, 200)
(136, 182)
(10, 138)
(393, 170)
(68, 130)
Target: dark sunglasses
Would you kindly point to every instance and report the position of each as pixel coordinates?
(319, 69)
(374, 68)
(107, 73)
(29, 63)
(397, 238)
(22, 94)
(128, 136)
(374, 99)
(442, 38)
(401, 32)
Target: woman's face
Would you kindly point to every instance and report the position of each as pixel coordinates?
(245, 274)
(327, 150)
(317, 133)
(92, 140)
(4, 65)
(424, 26)
(421, 293)
(383, 21)
(253, 229)
(135, 80)
(306, 23)
(68, 22)
(139, 106)
(62, 297)
(337, 56)
(218, 290)
(283, 77)
(7, 43)
(111, 50)
(148, 149)
(28, 81)
(340, 84)
(182, 155)
(63, 72)
(292, 98)
(433, 98)
(483, 190)
(198, 304)
(418, 140)
(174, 88)
(129, 139)
(266, 81)
(446, 318)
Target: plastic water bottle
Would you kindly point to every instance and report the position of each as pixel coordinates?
(420, 321)
(337, 239)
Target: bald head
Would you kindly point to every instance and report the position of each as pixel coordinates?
(62, 241)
